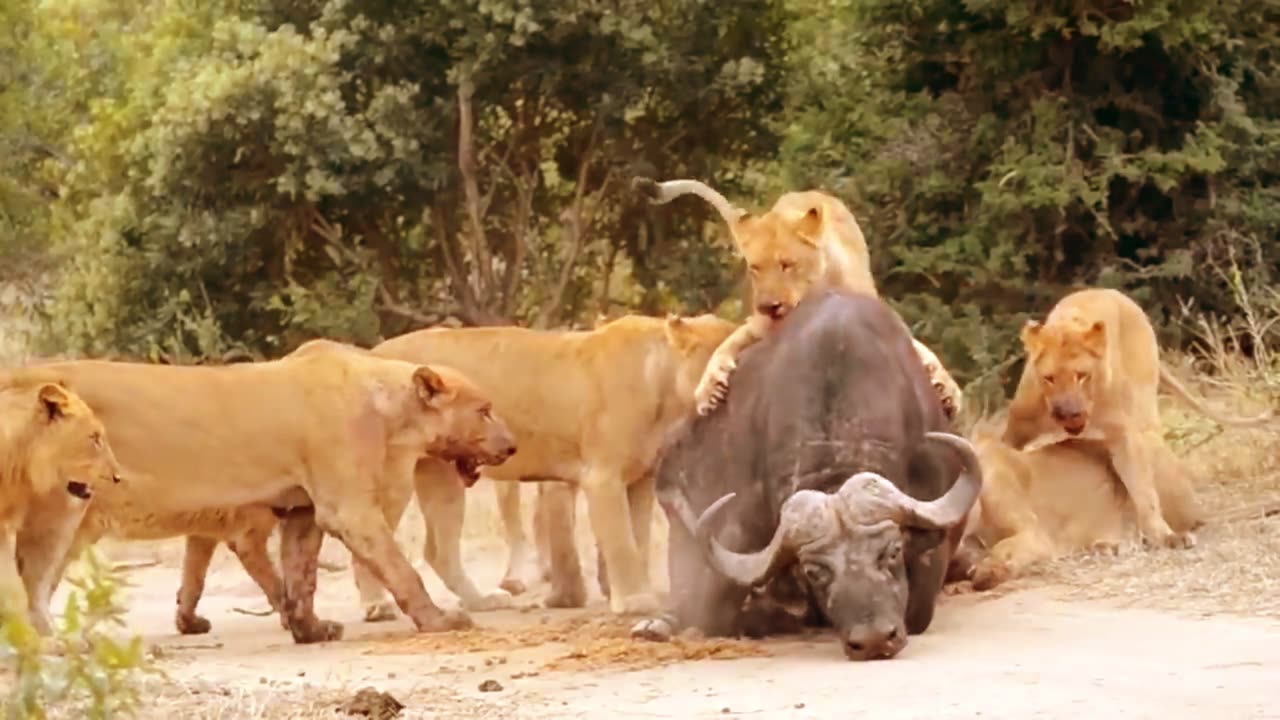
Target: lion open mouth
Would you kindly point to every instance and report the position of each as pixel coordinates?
(468, 469)
(79, 489)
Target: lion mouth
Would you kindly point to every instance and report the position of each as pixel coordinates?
(1073, 428)
(468, 470)
(79, 489)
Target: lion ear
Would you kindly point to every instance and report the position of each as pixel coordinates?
(1031, 335)
(428, 384)
(678, 334)
(54, 401)
(809, 226)
(1095, 338)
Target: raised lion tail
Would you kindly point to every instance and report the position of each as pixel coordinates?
(1171, 383)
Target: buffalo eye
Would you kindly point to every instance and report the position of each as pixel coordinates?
(817, 575)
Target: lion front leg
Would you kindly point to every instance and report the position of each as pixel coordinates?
(44, 545)
(300, 538)
(1133, 456)
(558, 508)
(714, 384)
(442, 499)
(13, 594)
(948, 390)
(377, 603)
(629, 589)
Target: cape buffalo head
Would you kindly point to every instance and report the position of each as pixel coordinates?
(850, 546)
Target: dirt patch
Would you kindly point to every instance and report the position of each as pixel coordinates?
(591, 644)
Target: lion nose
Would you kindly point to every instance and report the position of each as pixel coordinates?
(115, 478)
(508, 451)
(772, 309)
(873, 642)
(1071, 420)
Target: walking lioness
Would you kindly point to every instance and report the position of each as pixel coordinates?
(807, 241)
(1092, 372)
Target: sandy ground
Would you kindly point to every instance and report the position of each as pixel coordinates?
(1033, 652)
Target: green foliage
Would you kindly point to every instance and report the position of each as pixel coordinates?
(998, 154)
(289, 169)
(81, 671)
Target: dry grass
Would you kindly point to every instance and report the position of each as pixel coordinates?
(590, 644)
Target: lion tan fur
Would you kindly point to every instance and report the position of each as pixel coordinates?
(320, 437)
(587, 407)
(1092, 372)
(807, 241)
(54, 457)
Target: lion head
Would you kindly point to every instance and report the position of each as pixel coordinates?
(784, 258)
(471, 433)
(693, 339)
(1068, 360)
(68, 445)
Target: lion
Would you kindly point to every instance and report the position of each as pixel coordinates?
(1092, 372)
(320, 438)
(807, 241)
(587, 407)
(1039, 505)
(56, 457)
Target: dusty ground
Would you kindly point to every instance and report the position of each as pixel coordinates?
(1034, 649)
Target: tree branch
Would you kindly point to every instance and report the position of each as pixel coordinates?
(471, 189)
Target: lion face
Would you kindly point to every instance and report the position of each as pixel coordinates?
(70, 448)
(783, 258)
(472, 434)
(694, 339)
(1067, 362)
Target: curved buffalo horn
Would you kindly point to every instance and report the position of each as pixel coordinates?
(869, 498)
(659, 193)
(806, 513)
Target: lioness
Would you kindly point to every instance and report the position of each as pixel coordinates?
(1092, 371)
(807, 241)
(54, 455)
(1039, 505)
(315, 436)
(590, 407)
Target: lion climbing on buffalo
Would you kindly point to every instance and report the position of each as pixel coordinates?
(807, 241)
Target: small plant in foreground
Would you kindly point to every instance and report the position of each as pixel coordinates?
(80, 671)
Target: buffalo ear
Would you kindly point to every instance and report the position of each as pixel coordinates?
(428, 384)
(54, 401)
(1095, 338)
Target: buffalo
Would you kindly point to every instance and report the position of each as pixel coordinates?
(832, 464)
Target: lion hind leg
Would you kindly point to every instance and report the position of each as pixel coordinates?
(520, 551)
(250, 549)
(558, 505)
(611, 523)
(195, 568)
(948, 389)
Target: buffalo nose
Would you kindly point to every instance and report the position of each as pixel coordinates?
(871, 643)
(772, 309)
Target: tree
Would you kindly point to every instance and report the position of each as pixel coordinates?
(998, 154)
(295, 169)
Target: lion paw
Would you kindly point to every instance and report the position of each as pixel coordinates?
(445, 621)
(1170, 539)
(514, 586)
(380, 611)
(1105, 547)
(567, 594)
(988, 574)
(316, 630)
(653, 630)
(191, 624)
(714, 385)
(496, 600)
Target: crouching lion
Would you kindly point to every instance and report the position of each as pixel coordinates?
(807, 241)
(1093, 370)
(586, 407)
(319, 437)
(54, 456)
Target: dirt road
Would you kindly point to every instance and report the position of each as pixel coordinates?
(1026, 654)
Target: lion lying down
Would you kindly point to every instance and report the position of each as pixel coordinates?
(54, 456)
(1043, 504)
(318, 437)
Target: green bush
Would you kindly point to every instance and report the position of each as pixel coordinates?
(82, 670)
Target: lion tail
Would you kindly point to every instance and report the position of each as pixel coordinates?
(1171, 383)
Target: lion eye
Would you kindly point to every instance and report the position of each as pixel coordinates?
(1048, 379)
(893, 555)
(96, 440)
(755, 269)
(1084, 377)
(786, 265)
